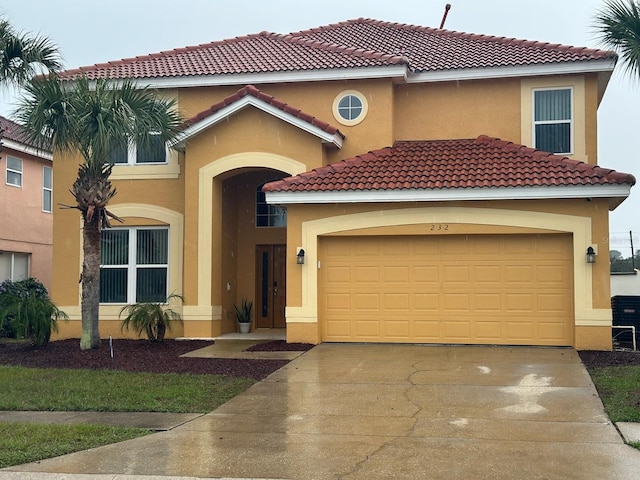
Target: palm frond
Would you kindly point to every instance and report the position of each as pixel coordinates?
(618, 28)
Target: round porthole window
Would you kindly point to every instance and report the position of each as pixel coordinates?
(350, 107)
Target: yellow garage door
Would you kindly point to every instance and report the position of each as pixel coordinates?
(468, 289)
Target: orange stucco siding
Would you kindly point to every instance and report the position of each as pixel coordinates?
(213, 191)
(435, 111)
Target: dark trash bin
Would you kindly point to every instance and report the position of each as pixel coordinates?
(626, 311)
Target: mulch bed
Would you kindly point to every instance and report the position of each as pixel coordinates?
(143, 356)
(140, 356)
(617, 358)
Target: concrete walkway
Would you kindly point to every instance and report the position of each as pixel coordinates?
(386, 411)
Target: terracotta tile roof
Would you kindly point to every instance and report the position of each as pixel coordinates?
(255, 92)
(483, 162)
(432, 49)
(259, 53)
(352, 44)
(15, 132)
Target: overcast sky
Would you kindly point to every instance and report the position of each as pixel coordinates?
(89, 32)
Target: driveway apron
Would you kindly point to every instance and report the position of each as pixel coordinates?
(355, 411)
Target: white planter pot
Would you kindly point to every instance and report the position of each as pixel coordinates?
(245, 327)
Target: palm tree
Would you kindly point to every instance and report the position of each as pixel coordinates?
(22, 55)
(618, 27)
(94, 118)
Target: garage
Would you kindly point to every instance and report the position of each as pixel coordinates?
(507, 289)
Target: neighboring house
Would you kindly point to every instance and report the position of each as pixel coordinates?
(405, 166)
(26, 206)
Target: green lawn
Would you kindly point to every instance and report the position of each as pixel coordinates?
(24, 442)
(619, 389)
(114, 391)
(97, 390)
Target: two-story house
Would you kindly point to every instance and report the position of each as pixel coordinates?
(26, 206)
(365, 182)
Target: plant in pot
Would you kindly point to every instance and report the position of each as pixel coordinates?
(153, 318)
(243, 315)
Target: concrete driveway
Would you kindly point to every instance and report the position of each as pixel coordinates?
(391, 411)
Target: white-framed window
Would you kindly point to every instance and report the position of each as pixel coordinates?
(268, 215)
(350, 107)
(14, 266)
(134, 265)
(47, 189)
(14, 171)
(553, 120)
(154, 151)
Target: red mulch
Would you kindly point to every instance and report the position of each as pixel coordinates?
(139, 356)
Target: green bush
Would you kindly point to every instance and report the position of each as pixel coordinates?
(153, 318)
(26, 312)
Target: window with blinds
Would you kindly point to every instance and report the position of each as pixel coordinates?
(553, 120)
(134, 265)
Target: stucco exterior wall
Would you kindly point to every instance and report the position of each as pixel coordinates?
(25, 227)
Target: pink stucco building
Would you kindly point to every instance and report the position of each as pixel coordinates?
(26, 204)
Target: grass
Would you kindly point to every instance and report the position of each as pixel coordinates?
(97, 390)
(619, 389)
(114, 391)
(24, 443)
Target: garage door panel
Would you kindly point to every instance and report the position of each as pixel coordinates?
(426, 302)
(396, 274)
(455, 274)
(366, 302)
(503, 289)
(396, 302)
(487, 302)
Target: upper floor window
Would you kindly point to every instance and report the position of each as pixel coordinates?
(268, 215)
(14, 266)
(553, 120)
(153, 151)
(47, 189)
(134, 265)
(14, 171)
(350, 107)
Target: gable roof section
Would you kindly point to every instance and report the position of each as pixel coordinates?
(484, 168)
(251, 96)
(360, 48)
(14, 137)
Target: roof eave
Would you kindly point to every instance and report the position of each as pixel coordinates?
(563, 68)
(392, 71)
(618, 192)
(21, 147)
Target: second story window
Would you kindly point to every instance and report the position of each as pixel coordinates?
(14, 171)
(47, 189)
(153, 151)
(553, 120)
(268, 215)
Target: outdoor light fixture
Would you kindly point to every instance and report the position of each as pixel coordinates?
(591, 255)
(300, 257)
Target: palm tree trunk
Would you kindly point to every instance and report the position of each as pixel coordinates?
(90, 337)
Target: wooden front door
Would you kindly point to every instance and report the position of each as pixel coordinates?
(271, 286)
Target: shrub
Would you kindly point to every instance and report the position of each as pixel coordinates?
(26, 312)
(150, 317)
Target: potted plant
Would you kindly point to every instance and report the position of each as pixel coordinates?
(243, 315)
(151, 317)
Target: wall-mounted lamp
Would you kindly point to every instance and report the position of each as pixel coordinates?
(300, 257)
(591, 255)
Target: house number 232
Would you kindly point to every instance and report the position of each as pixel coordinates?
(438, 227)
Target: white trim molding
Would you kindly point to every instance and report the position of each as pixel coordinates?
(450, 194)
